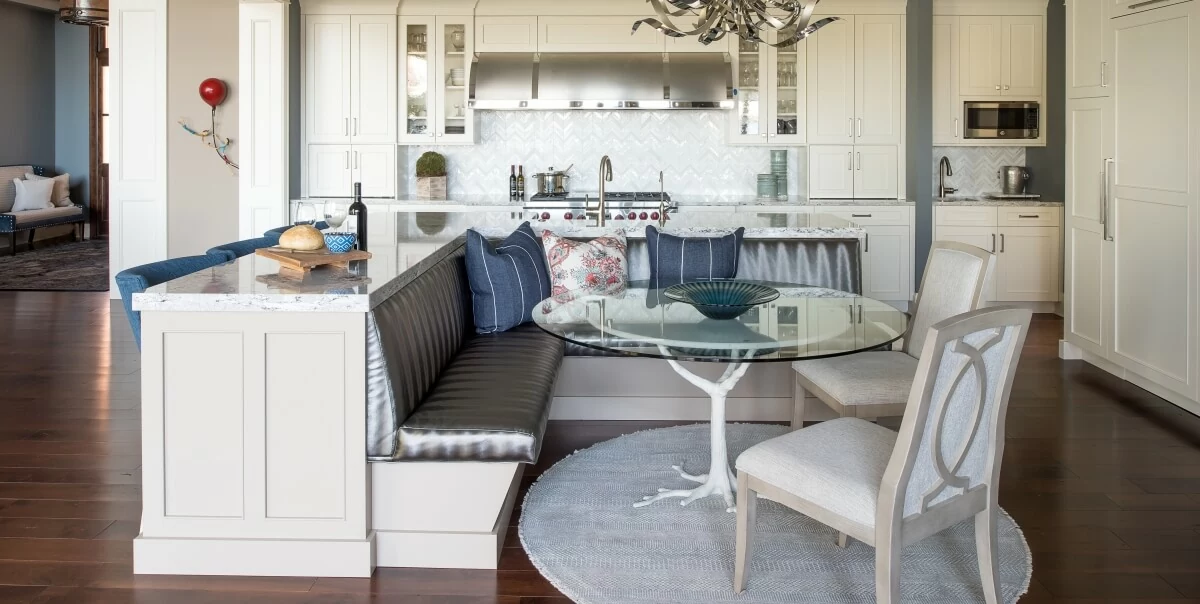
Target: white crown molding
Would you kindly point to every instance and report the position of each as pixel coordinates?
(349, 7)
(627, 7)
(989, 7)
(47, 5)
(438, 7)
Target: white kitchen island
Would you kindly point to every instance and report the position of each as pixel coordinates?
(254, 399)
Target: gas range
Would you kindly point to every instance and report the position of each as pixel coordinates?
(618, 206)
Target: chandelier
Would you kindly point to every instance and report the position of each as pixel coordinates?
(714, 19)
(83, 12)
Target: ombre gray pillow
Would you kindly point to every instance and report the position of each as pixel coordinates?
(675, 260)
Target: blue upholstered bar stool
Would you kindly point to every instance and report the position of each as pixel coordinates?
(232, 251)
(139, 278)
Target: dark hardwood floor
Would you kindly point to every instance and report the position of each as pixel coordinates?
(1103, 477)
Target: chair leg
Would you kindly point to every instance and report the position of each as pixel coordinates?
(887, 568)
(987, 549)
(843, 540)
(747, 508)
(31, 238)
(800, 397)
(12, 244)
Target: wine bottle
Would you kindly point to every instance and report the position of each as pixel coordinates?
(521, 182)
(358, 210)
(512, 182)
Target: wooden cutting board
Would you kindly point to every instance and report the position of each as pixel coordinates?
(305, 261)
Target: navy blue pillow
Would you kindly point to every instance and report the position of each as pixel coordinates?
(675, 260)
(506, 282)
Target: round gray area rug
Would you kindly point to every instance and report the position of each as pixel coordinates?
(580, 529)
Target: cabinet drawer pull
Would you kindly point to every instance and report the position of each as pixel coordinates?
(850, 123)
(1146, 3)
(993, 243)
(1104, 74)
(1001, 243)
(868, 250)
(1028, 216)
(860, 127)
(860, 314)
(860, 215)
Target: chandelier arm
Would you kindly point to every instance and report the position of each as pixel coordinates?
(807, 31)
(665, 23)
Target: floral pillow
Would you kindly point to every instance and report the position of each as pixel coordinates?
(596, 267)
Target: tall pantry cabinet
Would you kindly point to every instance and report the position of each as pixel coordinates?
(1133, 193)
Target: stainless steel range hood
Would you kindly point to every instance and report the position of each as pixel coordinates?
(523, 81)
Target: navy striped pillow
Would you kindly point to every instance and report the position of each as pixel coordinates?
(506, 282)
(675, 260)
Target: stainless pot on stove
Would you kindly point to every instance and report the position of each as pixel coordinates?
(553, 182)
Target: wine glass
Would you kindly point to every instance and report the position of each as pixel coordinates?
(335, 214)
(305, 213)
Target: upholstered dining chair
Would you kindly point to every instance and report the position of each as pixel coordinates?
(875, 384)
(890, 490)
(140, 278)
(232, 251)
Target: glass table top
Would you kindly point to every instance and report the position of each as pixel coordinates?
(803, 323)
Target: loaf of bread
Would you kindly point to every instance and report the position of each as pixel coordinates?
(302, 238)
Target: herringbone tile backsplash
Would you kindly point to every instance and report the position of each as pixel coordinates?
(975, 168)
(688, 146)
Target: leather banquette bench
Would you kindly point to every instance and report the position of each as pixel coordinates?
(453, 416)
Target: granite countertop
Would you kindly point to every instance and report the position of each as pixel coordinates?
(254, 283)
(976, 200)
(684, 201)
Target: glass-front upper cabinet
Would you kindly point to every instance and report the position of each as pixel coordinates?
(436, 68)
(748, 124)
(770, 87)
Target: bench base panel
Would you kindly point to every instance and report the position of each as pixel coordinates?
(442, 514)
(259, 557)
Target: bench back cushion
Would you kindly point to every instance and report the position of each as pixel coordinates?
(411, 337)
(8, 190)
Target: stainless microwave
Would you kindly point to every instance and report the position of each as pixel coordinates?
(1010, 120)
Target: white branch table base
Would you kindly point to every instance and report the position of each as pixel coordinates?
(719, 480)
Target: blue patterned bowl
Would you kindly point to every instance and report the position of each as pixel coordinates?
(721, 300)
(340, 243)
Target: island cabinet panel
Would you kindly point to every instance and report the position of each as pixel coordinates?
(305, 438)
(202, 421)
(253, 462)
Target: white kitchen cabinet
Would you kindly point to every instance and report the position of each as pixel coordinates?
(350, 79)
(947, 103)
(878, 85)
(433, 100)
(506, 34)
(1025, 240)
(830, 107)
(980, 63)
(875, 171)
(770, 94)
(1089, 145)
(849, 171)
(597, 34)
(1002, 56)
(1088, 48)
(831, 172)
(887, 248)
(787, 86)
(328, 172)
(332, 170)
(1120, 8)
(327, 61)
(373, 79)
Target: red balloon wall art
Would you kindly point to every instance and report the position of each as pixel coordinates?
(213, 92)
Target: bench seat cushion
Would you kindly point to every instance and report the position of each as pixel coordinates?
(490, 403)
(48, 216)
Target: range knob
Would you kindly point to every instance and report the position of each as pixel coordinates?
(644, 216)
(653, 215)
(620, 217)
(545, 215)
(569, 216)
(633, 215)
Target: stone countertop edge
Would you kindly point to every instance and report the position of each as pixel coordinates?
(969, 201)
(681, 200)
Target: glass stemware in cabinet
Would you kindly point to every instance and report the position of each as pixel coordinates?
(455, 66)
(416, 85)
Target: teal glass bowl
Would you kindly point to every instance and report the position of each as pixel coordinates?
(340, 243)
(721, 300)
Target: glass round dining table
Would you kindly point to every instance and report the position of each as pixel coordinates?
(803, 323)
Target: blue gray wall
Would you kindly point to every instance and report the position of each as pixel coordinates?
(919, 107)
(295, 63)
(1049, 164)
(71, 107)
(27, 73)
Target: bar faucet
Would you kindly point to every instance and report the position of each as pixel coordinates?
(944, 170)
(606, 175)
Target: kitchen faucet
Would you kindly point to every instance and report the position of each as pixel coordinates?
(605, 176)
(944, 170)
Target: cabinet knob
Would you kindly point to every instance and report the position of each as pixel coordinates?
(997, 87)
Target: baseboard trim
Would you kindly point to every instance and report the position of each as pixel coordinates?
(1166, 394)
(257, 557)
